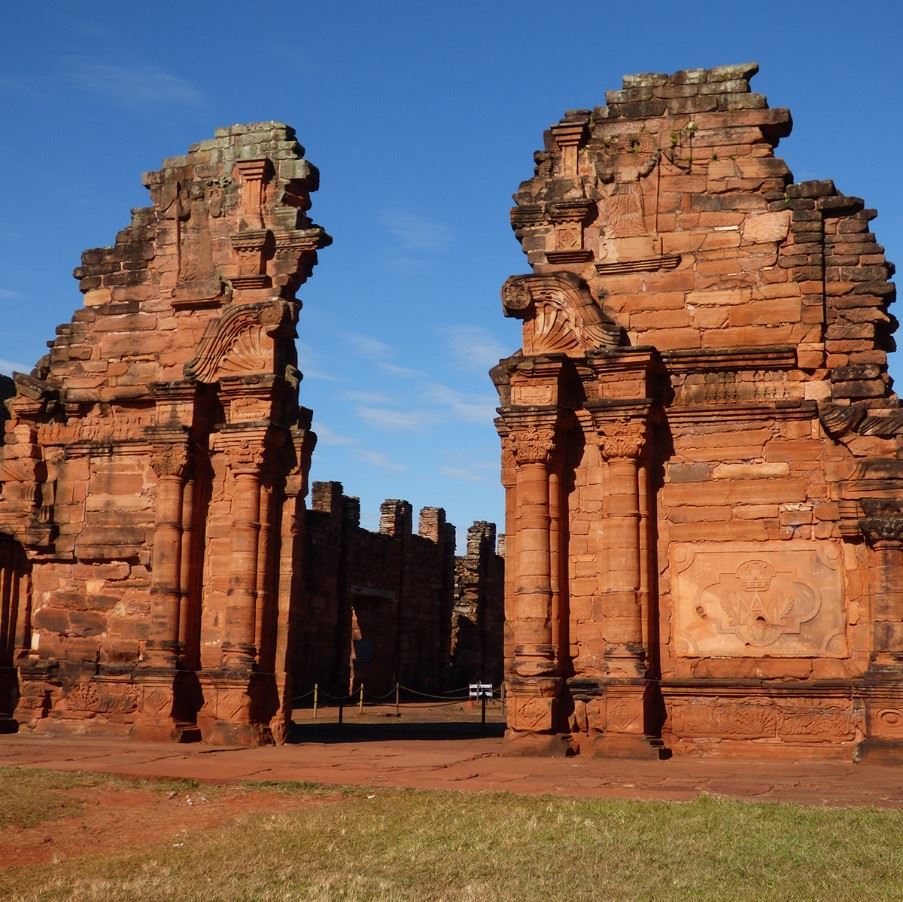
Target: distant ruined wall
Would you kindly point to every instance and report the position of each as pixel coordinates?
(702, 453)
(378, 605)
(477, 646)
(155, 463)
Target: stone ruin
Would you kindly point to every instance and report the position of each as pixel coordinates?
(702, 457)
(394, 606)
(701, 450)
(155, 462)
(159, 577)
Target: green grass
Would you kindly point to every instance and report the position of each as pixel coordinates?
(28, 797)
(405, 844)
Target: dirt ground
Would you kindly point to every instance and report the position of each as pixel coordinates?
(111, 818)
(445, 747)
(424, 746)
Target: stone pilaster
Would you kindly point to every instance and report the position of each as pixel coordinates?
(534, 680)
(626, 685)
(163, 648)
(621, 445)
(245, 458)
(882, 686)
(885, 536)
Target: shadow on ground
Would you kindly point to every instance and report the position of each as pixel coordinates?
(380, 732)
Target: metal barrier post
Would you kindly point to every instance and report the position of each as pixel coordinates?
(360, 706)
(316, 687)
(397, 693)
(341, 710)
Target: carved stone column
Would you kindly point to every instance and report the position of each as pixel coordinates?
(885, 536)
(245, 458)
(163, 646)
(509, 482)
(627, 688)
(621, 445)
(534, 681)
(882, 685)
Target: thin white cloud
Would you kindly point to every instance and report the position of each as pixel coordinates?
(472, 408)
(19, 87)
(8, 294)
(397, 370)
(462, 473)
(378, 459)
(368, 345)
(7, 366)
(327, 437)
(315, 374)
(380, 353)
(414, 234)
(400, 420)
(310, 365)
(139, 83)
(365, 397)
(474, 347)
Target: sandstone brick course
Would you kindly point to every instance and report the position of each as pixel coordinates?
(713, 362)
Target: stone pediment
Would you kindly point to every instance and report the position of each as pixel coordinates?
(560, 314)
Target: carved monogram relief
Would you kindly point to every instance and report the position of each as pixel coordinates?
(765, 599)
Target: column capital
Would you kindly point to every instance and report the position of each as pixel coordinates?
(621, 439)
(245, 456)
(531, 444)
(246, 450)
(170, 460)
(881, 530)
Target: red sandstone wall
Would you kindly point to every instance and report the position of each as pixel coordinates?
(703, 421)
(154, 463)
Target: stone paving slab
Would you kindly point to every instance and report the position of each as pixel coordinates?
(474, 765)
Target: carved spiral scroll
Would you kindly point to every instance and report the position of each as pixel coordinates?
(225, 333)
(560, 314)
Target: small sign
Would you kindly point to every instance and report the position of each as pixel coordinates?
(481, 690)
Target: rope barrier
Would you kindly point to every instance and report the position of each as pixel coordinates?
(361, 697)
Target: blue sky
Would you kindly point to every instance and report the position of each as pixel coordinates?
(423, 118)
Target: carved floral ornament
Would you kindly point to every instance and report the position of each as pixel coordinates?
(247, 455)
(882, 529)
(170, 460)
(531, 445)
(622, 440)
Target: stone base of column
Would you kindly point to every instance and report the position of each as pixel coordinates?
(628, 730)
(237, 709)
(160, 654)
(532, 705)
(37, 690)
(882, 697)
(154, 720)
(238, 657)
(619, 745)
